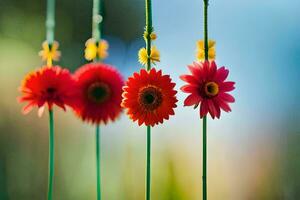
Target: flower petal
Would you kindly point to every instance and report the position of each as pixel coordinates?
(227, 86)
(192, 100)
(221, 74)
(189, 88)
(223, 105)
(195, 71)
(189, 79)
(226, 97)
(211, 108)
(203, 108)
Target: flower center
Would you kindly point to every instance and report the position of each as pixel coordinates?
(150, 97)
(98, 92)
(50, 93)
(211, 89)
(51, 90)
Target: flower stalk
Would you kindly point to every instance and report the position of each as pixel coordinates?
(98, 160)
(50, 21)
(51, 154)
(50, 27)
(97, 20)
(148, 30)
(204, 157)
(96, 35)
(148, 185)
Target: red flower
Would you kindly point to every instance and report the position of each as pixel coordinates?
(99, 93)
(149, 97)
(207, 86)
(51, 85)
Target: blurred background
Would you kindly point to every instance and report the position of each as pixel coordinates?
(253, 152)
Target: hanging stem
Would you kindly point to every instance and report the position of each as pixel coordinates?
(98, 160)
(205, 30)
(204, 168)
(97, 19)
(97, 24)
(204, 179)
(148, 30)
(51, 154)
(50, 21)
(148, 185)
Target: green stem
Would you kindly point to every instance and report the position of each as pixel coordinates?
(50, 21)
(204, 179)
(97, 20)
(205, 30)
(148, 179)
(149, 30)
(98, 159)
(51, 154)
(204, 175)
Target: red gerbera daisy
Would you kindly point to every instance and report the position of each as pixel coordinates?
(99, 93)
(207, 86)
(51, 85)
(149, 97)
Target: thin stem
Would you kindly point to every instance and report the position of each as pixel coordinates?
(205, 30)
(51, 154)
(148, 181)
(97, 20)
(50, 21)
(149, 30)
(204, 179)
(98, 159)
(204, 175)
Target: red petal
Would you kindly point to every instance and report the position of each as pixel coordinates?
(212, 69)
(223, 105)
(195, 71)
(221, 74)
(28, 108)
(189, 88)
(217, 109)
(203, 108)
(226, 97)
(189, 79)
(192, 100)
(211, 108)
(227, 86)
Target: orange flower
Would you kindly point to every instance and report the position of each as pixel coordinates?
(47, 85)
(149, 97)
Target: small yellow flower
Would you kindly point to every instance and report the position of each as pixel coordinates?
(90, 51)
(154, 55)
(153, 35)
(50, 53)
(94, 49)
(211, 50)
(102, 49)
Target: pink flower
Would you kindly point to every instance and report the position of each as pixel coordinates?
(207, 86)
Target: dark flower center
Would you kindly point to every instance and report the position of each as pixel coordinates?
(51, 90)
(50, 93)
(211, 89)
(150, 97)
(98, 92)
